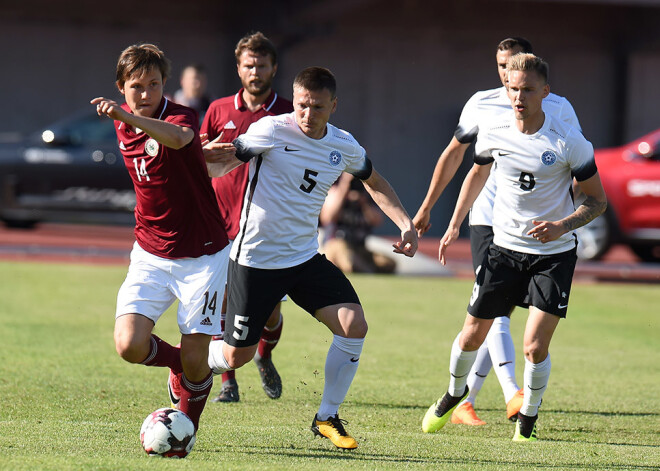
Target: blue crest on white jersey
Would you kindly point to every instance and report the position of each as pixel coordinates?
(335, 158)
(548, 157)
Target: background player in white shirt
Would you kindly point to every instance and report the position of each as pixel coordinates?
(498, 350)
(294, 159)
(533, 253)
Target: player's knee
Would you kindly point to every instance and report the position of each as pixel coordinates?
(470, 342)
(130, 349)
(237, 357)
(358, 327)
(471, 338)
(535, 352)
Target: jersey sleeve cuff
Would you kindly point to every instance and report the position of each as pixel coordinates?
(586, 172)
(365, 172)
(243, 152)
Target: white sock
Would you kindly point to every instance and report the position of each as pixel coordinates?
(536, 381)
(217, 361)
(340, 367)
(460, 363)
(503, 355)
(478, 373)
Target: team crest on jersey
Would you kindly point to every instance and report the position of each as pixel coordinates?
(335, 158)
(548, 157)
(151, 147)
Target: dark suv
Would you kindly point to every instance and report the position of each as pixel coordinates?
(72, 171)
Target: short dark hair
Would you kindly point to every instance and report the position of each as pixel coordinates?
(257, 43)
(516, 41)
(316, 79)
(140, 59)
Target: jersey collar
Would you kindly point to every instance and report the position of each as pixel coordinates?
(162, 106)
(239, 104)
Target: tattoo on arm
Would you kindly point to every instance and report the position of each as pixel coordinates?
(589, 210)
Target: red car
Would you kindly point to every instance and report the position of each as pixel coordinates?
(631, 178)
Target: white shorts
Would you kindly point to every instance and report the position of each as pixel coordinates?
(154, 283)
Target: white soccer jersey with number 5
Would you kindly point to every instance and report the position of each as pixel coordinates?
(290, 175)
(533, 179)
(484, 106)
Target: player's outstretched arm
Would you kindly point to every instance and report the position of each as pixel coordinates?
(445, 169)
(594, 204)
(472, 186)
(168, 134)
(384, 196)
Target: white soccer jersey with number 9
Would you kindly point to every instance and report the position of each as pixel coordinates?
(533, 179)
(290, 175)
(485, 106)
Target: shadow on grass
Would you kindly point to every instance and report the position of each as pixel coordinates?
(560, 440)
(603, 414)
(357, 456)
(424, 407)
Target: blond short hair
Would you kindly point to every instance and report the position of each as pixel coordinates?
(524, 62)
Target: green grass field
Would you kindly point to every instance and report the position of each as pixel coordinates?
(69, 402)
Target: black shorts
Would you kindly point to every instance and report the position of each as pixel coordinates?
(480, 239)
(252, 294)
(506, 276)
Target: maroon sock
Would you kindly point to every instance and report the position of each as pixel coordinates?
(164, 354)
(269, 339)
(194, 396)
(228, 376)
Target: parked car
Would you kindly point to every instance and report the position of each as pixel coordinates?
(631, 178)
(71, 171)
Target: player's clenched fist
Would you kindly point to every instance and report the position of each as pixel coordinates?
(107, 107)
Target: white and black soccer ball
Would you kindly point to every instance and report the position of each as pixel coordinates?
(167, 432)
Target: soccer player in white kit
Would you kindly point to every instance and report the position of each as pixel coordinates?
(497, 351)
(533, 253)
(294, 159)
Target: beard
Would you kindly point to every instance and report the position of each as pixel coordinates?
(260, 87)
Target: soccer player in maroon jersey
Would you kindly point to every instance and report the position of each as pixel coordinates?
(181, 247)
(228, 118)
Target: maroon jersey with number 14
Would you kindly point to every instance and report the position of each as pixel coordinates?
(230, 116)
(176, 215)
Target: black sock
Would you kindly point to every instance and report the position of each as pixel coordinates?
(526, 424)
(448, 402)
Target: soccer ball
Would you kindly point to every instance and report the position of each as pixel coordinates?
(167, 432)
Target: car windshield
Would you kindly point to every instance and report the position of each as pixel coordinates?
(82, 129)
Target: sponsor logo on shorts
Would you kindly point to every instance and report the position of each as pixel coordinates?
(206, 321)
(335, 158)
(548, 157)
(562, 306)
(355, 360)
(475, 291)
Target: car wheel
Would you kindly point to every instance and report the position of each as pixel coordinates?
(648, 253)
(594, 238)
